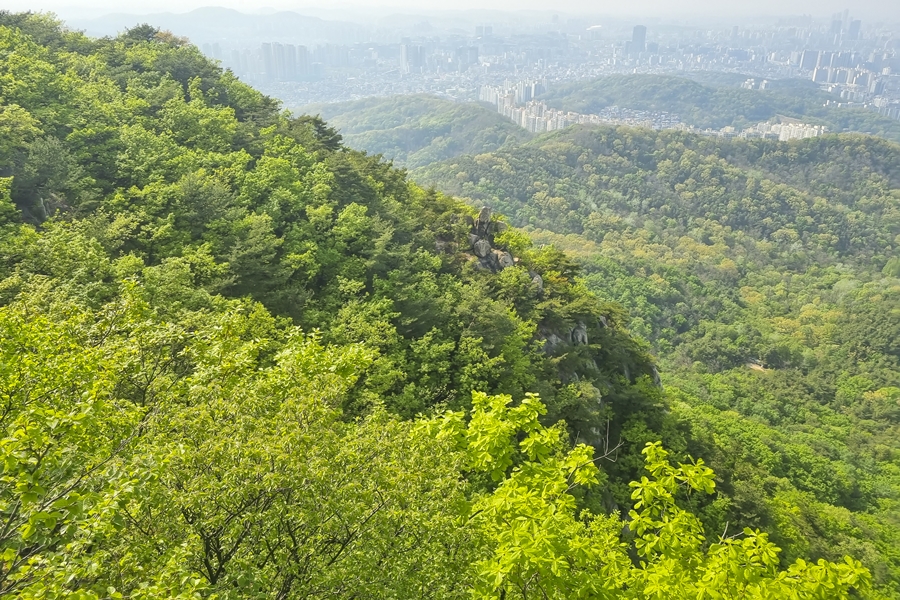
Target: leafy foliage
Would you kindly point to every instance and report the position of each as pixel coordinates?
(229, 345)
(542, 544)
(761, 274)
(415, 131)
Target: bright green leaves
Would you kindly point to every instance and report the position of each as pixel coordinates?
(8, 212)
(662, 527)
(490, 438)
(195, 123)
(205, 452)
(61, 432)
(539, 543)
(529, 520)
(17, 128)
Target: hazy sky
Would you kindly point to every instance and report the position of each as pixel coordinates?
(888, 10)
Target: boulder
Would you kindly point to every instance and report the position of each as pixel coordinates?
(482, 248)
(537, 281)
(490, 262)
(505, 259)
(483, 222)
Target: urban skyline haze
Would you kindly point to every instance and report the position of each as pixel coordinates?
(711, 9)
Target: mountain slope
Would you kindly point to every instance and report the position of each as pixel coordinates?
(240, 360)
(705, 106)
(765, 276)
(418, 130)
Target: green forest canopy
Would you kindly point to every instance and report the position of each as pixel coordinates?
(418, 130)
(242, 360)
(765, 276)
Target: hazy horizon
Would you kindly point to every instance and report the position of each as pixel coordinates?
(873, 10)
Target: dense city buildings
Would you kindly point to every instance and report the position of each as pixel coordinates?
(516, 101)
(304, 60)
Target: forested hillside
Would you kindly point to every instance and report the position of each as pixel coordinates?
(765, 275)
(702, 105)
(418, 130)
(241, 360)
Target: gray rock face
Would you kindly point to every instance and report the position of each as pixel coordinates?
(505, 259)
(537, 281)
(603, 321)
(552, 342)
(482, 248)
(490, 262)
(656, 380)
(579, 335)
(480, 234)
(483, 222)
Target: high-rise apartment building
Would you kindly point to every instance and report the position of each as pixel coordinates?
(268, 62)
(302, 62)
(412, 58)
(809, 60)
(638, 39)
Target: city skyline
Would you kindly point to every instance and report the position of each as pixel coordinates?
(709, 9)
(302, 59)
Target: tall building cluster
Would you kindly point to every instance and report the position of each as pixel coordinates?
(511, 94)
(750, 84)
(284, 62)
(844, 28)
(412, 57)
(537, 117)
(272, 62)
(848, 74)
(887, 107)
(859, 67)
(418, 59)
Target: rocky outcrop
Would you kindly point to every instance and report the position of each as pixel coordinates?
(551, 342)
(505, 259)
(579, 335)
(482, 248)
(481, 238)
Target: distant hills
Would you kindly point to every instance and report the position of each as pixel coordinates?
(212, 24)
(415, 131)
(714, 104)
